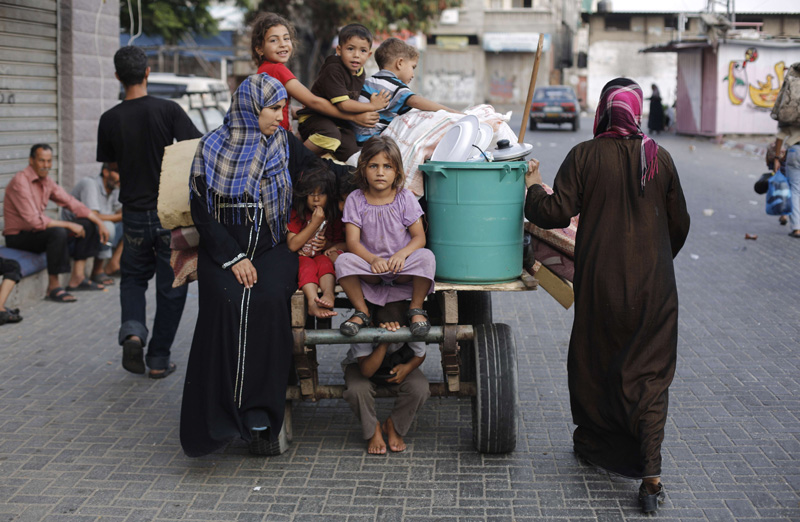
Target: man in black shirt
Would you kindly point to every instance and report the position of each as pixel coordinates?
(132, 137)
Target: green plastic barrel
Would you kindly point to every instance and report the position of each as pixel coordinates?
(475, 220)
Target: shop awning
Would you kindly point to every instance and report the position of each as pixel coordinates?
(514, 42)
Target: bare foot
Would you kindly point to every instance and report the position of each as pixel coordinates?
(376, 445)
(396, 442)
(326, 301)
(316, 311)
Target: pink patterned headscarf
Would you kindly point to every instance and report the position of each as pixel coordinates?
(619, 115)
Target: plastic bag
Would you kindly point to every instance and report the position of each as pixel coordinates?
(779, 197)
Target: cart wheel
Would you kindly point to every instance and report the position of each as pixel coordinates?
(495, 404)
(473, 308)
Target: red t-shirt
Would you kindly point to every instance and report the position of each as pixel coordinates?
(335, 232)
(281, 73)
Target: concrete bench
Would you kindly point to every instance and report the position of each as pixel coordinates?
(33, 285)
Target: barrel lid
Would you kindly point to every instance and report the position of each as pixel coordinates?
(507, 151)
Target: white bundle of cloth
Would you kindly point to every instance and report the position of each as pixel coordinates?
(418, 132)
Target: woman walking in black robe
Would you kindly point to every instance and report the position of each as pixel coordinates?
(241, 193)
(655, 121)
(623, 346)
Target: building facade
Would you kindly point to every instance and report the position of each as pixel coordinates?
(483, 51)
(620, 30)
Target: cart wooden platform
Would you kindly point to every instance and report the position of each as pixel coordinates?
(479, 357)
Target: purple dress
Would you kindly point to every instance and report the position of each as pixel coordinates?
(384, 231)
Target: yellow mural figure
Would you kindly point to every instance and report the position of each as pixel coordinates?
(765, 95)
(737, 82)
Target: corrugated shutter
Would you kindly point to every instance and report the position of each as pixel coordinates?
(28, 83)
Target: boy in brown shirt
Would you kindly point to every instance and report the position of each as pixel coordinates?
(340, 81)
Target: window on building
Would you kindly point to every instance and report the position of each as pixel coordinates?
(522, 3)
(618, 22)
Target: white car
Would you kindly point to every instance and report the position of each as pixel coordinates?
(205, 100)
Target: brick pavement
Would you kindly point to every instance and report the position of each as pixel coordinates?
(81, 439)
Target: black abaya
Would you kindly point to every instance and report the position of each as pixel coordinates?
(623, 347)
(242, 347)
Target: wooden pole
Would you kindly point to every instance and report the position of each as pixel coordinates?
(526, 114)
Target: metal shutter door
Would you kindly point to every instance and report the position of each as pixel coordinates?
(28, 83)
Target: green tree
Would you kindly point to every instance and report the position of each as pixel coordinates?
(323, 18)
(169, 18)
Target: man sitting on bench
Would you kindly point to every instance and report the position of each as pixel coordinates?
(27, 227)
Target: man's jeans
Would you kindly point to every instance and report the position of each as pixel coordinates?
(145, 253)
(792, 171)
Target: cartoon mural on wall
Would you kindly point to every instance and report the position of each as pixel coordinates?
(763, 94)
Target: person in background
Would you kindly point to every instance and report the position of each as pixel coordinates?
(789, 137)
(27, 227)
(623, 347)
(131, 138)
(101, 195)
(655, 121)
(10, 270)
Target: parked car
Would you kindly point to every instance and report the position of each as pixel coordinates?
(555, 104)
(205, 100)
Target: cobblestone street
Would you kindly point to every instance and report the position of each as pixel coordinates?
(83, 440)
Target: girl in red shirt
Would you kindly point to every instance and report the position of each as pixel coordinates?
(312, 233)
(272, 42)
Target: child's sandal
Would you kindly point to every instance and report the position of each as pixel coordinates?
(349, 328)
(418, 328)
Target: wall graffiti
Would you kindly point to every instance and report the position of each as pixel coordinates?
(7, 97)
(450, 87)
(740, 87)
(501, 89)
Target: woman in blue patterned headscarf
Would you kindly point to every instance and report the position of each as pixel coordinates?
(241, 192)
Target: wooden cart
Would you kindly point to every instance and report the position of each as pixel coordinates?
(479, 357)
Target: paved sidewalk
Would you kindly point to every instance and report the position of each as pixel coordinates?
(82, 440)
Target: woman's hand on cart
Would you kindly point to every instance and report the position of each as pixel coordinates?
(533, 176)
(245, 273)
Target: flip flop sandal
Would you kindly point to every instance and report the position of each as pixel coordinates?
(418, 328)
(349, 328)
(59, 295)
(103, 279)
(160, 375)
(85, 285)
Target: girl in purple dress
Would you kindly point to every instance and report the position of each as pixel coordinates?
(385, 239)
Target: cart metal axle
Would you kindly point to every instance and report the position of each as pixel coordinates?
(381, 335)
